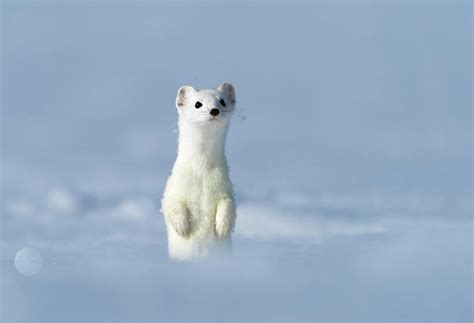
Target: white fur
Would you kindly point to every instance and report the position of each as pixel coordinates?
(198, 203)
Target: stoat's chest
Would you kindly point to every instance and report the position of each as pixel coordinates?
(201, 183)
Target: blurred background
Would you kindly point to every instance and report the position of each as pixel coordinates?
(350, 152)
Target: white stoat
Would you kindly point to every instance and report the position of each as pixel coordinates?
(198, 204)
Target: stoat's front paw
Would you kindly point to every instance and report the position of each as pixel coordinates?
(182, 226)
(225, 217)
(223, 225)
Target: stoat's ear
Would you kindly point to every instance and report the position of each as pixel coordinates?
(183, 94)
(228, 90)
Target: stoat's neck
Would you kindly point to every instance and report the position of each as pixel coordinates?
(203, 143)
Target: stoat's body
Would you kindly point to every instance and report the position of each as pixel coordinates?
(198, 203)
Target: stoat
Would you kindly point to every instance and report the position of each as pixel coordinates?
(198, 204)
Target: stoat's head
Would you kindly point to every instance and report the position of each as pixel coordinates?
(208, 107)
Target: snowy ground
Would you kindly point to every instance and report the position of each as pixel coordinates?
(352, 167)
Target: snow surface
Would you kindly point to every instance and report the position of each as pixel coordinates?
(351, 155)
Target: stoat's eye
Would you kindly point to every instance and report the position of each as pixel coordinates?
(198, 105)
(222, 102)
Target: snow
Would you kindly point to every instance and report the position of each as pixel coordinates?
(62, 201)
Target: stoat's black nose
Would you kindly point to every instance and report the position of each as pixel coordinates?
(214, 112)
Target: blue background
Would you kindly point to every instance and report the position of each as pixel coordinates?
(350, 152)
